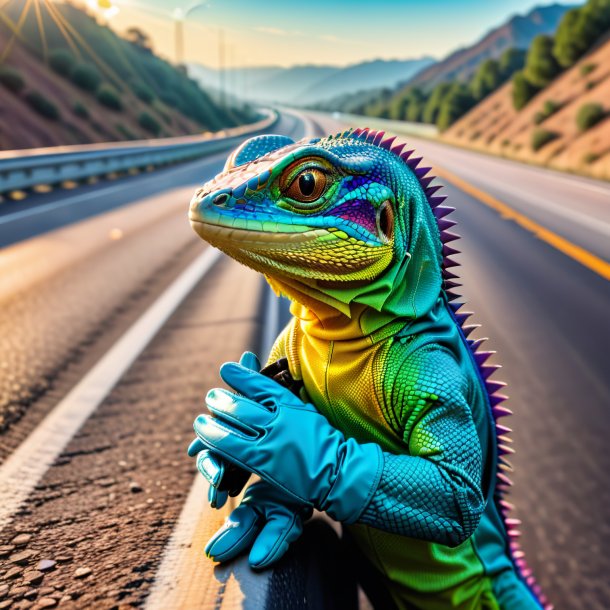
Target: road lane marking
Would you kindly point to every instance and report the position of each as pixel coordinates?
(186, 578)
(20, 473)
(577, 253)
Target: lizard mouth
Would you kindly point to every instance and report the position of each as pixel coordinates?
(251, 238)
(305, 253)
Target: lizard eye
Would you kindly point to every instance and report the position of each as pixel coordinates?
(307, 186)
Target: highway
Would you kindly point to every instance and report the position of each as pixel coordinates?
(96, 514)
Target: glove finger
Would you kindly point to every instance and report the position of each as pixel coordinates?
(211, 466)
(225, 440)
(244, 414)
(217, 498)
(195, 447)
(235, 535)
(250, 361)
(257, 387)
(274, 539)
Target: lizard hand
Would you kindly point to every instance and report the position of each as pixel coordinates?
(266, 429)
(266, 522)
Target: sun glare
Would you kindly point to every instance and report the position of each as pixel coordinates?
(106, 8)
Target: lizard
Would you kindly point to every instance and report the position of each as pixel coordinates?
(351, 229)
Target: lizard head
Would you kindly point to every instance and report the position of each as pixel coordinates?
(339, 220)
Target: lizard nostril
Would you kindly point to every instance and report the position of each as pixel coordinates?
(220, 199)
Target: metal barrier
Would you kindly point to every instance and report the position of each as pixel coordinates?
(23, 169)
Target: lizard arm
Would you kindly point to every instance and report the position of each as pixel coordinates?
(434, 493)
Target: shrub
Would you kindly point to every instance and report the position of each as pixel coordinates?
(42, 105)
(126, 132)
(86, 76)
(80, 110)
(149, 123)
(62, 61)
(588, 115)
(523, 90)
(550, 107)
(586, 69)
(590, 157)
(142, 92)
(505, 142)
(108, 96)
(590, 85)
(541, 137)
(11, 79)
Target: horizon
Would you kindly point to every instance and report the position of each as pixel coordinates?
(268, 36)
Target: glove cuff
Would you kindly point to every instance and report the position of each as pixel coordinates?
(357, 477)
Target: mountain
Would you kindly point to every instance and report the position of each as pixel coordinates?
(76, 81)
(565, 126)
(308, 84)
(368, 75)
(518, 32)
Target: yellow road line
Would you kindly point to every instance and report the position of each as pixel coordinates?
(584, 257)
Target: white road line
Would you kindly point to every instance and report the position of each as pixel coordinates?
(27, 464)
(186, 579)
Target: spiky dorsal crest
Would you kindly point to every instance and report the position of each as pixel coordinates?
(480, 356)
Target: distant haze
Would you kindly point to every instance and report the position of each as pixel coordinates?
(310, 84)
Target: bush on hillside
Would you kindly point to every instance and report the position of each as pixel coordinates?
(62, 61)
(523, 90)
(108, 96)
(549, 108)
(86, 76)
(11, 78)
(126, 132)
(42, 105)
(149, 123)
(541, 67)
(142, 92)
(589, 115)
(586, 69)
(80, 110)
(541, 137)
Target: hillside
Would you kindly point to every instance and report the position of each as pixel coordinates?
(495, 126)
(83, 83)
(517, 33)
(310, 83)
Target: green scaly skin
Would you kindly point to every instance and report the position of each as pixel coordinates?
(350, 229)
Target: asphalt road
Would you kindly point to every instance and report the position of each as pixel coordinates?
(96, 258)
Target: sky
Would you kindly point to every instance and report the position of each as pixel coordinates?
(340, 32)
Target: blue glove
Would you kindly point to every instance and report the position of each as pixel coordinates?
(224, 478)
(265, 520)
(267, 430)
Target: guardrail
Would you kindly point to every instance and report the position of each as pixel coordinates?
(23, 169)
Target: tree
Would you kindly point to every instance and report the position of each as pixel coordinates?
(541, 67)
(416, 104)
(433, 105)
(139, 38)
(579, 29)
(523, 90)
(486, 79)
(511, 61)
(456, 103)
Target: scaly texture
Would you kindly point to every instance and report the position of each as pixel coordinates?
(351, 229)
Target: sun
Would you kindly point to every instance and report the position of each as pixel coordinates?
(106, 8)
